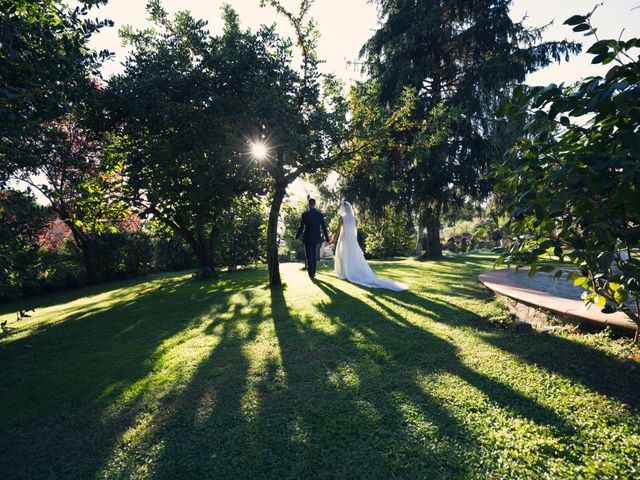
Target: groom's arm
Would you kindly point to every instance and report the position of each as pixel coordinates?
(324, 228)
(301, 227)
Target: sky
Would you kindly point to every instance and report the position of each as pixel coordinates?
(345, 25)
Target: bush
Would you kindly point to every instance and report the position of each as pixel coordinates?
(290, 247)
(572, 188)
(131, 254)
(124, 255)
(243, 240)
(59, 270)
(21, 222)
(120, 255)
(172, 254)
(388, 237)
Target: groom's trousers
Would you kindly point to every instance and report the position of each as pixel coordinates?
(311, 251)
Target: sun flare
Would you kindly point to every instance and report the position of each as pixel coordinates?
(259, 150)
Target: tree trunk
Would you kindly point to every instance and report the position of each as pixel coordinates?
(433, 248)
(272, 236)
(420, 235)
(85, 244)
(205, 260)
(233, 254)
(432, 222)
(89, 261)
(204, 245)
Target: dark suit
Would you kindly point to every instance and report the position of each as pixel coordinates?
(311, 223)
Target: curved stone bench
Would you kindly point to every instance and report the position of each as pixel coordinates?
(499, 282)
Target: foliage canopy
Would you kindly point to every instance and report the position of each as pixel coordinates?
(572, 189)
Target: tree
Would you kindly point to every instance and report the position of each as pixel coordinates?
(21, 221)
(185, 111)
(385, 135)
(460, 57)
(304, 116)
(85, 188)
(572, 187)
(243, 234)
(45, 67)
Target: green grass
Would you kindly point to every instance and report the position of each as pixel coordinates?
(172, 378)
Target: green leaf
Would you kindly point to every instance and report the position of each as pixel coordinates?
(599, 47)
(580, 282)
(581, 27)
(620, 296)
(601, 58)
(631, 43)
(574, 20)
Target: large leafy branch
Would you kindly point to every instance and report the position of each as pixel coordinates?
(572, 184)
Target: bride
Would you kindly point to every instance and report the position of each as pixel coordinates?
(350, 263)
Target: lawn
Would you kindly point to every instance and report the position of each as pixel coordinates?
(169, 377)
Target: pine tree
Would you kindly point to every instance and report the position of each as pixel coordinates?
(460, 57)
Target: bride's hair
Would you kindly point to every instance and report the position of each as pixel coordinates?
(346, 208)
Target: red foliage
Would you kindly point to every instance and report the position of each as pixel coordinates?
(132, 223)
(55, 234)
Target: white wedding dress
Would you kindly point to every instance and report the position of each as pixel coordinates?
(349, 261)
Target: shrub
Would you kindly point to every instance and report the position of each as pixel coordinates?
(21, 222)
(388, 236)
(171, 254)
(123, 254)
(290, 247)
(573, 188)
(119, 255)
(243, 239)
(58, 270)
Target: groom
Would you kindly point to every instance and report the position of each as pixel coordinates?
(311, 222)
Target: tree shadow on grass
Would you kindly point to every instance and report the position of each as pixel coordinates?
(201, 431)
(331, 407)
(70, 389)
(231, 418)
(575, 361)
(335, 390)
(578, 362)
(448, 276)
(286, 413)
(441, 355)
(339, 397)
